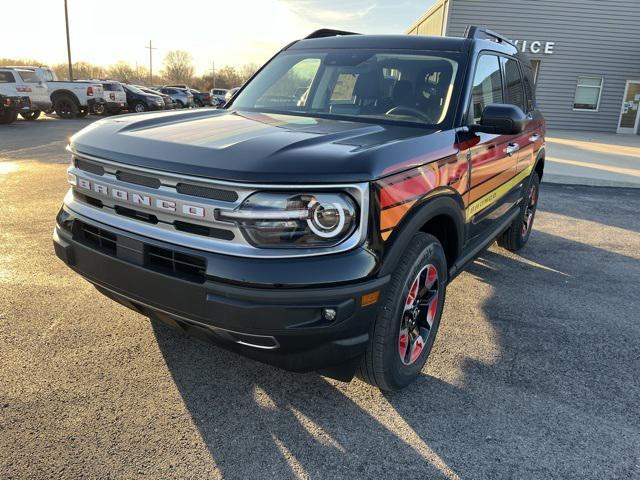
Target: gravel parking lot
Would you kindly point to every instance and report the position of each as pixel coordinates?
(534, 374)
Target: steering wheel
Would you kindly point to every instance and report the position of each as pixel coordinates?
(413, 112)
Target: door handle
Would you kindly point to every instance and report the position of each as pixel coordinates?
(534, 137)
(511, 149)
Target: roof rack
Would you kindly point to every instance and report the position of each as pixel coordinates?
(479, 32)
(328, 32)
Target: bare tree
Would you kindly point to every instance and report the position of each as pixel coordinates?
(122, 72)
(178, 66)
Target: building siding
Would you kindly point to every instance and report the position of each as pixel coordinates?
(591, 38)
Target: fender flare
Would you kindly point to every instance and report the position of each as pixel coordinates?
(442, 202)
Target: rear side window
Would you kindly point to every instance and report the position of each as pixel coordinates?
(6, 77)
(514, 89)
(487, 85)
(528, 88)
(28, 76)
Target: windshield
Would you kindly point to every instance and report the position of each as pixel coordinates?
(404, 87)
(133, 89)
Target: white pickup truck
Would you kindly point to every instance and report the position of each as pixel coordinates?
(69, 99)
(23, 82)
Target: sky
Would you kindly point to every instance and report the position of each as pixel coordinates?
(225, 32)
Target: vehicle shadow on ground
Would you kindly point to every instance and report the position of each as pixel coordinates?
(583, 205)
(540, 400)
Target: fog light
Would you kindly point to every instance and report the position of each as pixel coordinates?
(329, 314)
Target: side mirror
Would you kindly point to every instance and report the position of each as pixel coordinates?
(502, 119)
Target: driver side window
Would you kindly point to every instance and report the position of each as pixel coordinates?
(487, 85)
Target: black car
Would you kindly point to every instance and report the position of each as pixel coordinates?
(201, 99)
(317, 220)
(139, 101)
(169, 104)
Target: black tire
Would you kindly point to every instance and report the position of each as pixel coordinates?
(32, 115)
(384, 365)
(65, 107)
(82, 112)
(199, 103)
(517, 235)
(8, 116)
(100, 109)
(140, 107)
(180, 104)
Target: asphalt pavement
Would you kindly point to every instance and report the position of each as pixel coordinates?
(534, 374)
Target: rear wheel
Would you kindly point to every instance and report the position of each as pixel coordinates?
(65, 107)
(408, 317)
(33, 115)
(518, 233)
(100, 109)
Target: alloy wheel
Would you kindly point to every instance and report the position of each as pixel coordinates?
(420, 310)
(529, 211)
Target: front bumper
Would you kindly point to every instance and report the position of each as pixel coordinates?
(280, 326)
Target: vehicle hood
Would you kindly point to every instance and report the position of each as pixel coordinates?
(257, 147)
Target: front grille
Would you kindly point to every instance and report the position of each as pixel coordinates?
(89, 167)
(95, 237)
(177, 264)
(207, 192)
(138, 179)
(203, 230)
(162, 260)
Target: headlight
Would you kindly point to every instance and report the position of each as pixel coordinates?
(286, 220)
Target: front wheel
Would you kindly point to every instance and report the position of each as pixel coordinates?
(8, 116)
(32, 115)
(517, 235)
(139, 107)
(408, 317)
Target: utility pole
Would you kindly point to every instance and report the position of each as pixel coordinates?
(66, 19)
(151, 49)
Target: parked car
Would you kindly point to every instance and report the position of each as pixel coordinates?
(115, 98)
(182, 97)
(200, 99)
(24, 81)
(322, 233)
(169, 104)
(139, 101)
(69, 99)
(230, 93)
(219, 93)
(11, 105)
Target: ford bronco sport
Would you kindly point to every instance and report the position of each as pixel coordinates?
(315, 222)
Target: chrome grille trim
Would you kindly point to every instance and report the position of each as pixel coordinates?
(165, 231)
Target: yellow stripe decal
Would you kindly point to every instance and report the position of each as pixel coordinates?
(493, 196)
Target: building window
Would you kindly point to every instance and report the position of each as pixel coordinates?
(588, 93)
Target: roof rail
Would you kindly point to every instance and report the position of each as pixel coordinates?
(328, 32)
(479, 32)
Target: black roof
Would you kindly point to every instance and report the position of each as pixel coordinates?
(402, 42)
